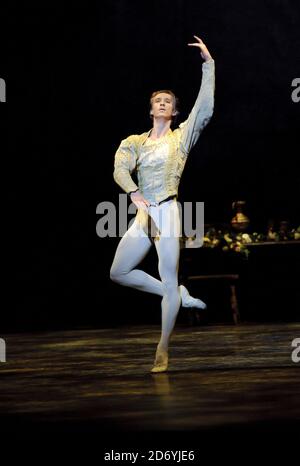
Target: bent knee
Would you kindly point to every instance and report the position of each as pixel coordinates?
(170, 286)
(117, 276)
(114, 275)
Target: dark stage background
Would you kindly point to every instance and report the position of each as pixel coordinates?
(78, 81)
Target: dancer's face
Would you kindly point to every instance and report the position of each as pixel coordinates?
(163, 106)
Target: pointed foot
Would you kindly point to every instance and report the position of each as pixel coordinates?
(161, 361)
(188, 301)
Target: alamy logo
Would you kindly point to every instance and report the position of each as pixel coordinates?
(2, 90)
(114, 220)
(2, 350)
(296, 92)
(296, 351)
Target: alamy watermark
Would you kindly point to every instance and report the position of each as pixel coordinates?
(2, 350)
(296, 92)
(157, 220)
(2, 90)
(296, 352)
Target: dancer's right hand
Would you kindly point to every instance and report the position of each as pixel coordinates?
(139, 201)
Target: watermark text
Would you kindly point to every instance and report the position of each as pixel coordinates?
(170, 219)
(2, 90)
(296, 352)
(2, 350)
(296, 92)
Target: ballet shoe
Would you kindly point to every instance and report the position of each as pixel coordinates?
(188, 301)
(161, 361)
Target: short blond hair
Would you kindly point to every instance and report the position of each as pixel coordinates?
(171, 93)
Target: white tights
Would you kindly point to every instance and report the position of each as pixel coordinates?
(134, 246)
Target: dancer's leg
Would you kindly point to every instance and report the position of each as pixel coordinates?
(168, 250)
(168, 254)
(131, 250)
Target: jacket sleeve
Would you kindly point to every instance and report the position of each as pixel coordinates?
(202, 111)
(124, 165)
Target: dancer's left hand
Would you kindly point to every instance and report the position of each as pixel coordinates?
(203, 49)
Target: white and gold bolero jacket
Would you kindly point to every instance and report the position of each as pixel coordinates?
(180, 141)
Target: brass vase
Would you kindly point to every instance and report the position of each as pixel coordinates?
(240, 221)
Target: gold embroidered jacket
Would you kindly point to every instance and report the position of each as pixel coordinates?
(180, 142)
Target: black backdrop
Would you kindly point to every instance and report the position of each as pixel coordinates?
(78, 81)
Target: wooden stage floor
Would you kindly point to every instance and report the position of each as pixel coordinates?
(219, 376)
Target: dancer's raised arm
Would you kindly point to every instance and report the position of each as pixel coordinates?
(204, 105)
(203, 49)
